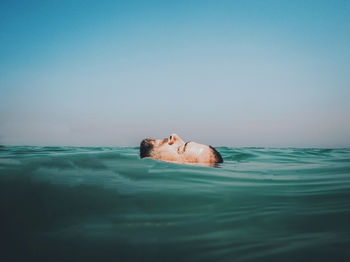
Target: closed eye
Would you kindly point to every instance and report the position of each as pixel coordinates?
(185, 146)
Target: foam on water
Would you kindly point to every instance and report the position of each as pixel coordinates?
(88, 204)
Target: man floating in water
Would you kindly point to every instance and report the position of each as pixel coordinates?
(174, 149)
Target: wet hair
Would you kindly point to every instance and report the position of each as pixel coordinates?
(217, 156)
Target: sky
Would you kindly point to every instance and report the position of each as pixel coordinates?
(224, 73)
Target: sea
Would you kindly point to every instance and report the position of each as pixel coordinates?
(107, 204)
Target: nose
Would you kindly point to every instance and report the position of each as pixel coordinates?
(175, 137)
(146, 147)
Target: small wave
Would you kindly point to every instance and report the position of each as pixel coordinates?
(260, 204)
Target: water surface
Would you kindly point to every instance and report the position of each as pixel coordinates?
(107, 204)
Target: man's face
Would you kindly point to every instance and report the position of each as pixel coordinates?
(174, 149)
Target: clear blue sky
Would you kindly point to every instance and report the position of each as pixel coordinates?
(233, 73)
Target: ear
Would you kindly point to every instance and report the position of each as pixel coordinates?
(172, 139)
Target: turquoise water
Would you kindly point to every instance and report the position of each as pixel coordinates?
(107, 204)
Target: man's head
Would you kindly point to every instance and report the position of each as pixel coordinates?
(174, 149)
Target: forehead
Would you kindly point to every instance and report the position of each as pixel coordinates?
(196, 152)
(202, 152)
(197, 148)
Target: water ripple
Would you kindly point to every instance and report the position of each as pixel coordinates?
(261, 204)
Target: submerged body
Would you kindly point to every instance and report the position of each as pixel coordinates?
(174, 149)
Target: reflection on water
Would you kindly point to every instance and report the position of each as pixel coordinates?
(89, 204)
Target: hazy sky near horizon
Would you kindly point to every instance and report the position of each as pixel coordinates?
(225, 73)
